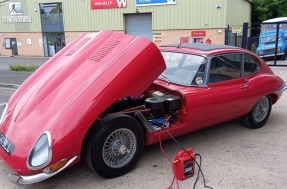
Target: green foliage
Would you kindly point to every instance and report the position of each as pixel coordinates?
(267, 9)
(21, 67)
(253, 48)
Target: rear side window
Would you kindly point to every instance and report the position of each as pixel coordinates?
(225, 67)
(251, 65)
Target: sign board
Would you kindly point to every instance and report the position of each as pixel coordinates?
(184, 39)
(155, 2)
(236, 29)
(16, 19)
(218, 6)
(156, 37)
(198, 40)
(29, 41)
(7, 43)
(15, 8)
(198, 33)
(108, 4)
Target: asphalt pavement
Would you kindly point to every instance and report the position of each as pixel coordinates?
(5, 61)
(12, 79)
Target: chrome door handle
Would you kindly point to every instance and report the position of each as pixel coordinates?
(244, 87)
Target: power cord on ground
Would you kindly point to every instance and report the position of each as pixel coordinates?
(181, 146)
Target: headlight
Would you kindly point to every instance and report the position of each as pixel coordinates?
(41, 154)
(4, 112)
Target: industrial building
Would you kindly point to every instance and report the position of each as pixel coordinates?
(44, 27)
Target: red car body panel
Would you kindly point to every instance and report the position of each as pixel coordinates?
(68, 93)
(219, 102)
(73, 89)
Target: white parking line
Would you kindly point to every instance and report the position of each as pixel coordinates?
(8, 88)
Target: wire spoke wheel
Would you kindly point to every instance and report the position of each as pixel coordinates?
(261, 109)
(114, 145)
(119, 148)
(259, 114)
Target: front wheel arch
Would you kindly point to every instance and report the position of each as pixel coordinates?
(101, 147)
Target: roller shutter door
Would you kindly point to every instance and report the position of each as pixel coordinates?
(139, 25)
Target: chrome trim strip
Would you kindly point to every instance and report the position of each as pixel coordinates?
(284, 88)
(4, 112)
(19, 180)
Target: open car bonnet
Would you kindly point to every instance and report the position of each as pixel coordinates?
(87, 76)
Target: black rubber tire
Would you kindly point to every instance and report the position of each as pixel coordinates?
(250, 119)
(110, 127)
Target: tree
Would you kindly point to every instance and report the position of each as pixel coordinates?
(267, 9)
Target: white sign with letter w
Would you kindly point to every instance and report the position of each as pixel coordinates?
(122, 3)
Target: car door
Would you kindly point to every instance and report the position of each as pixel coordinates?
(226, 96)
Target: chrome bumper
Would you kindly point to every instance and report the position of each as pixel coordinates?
(284, 88)
(18, 179)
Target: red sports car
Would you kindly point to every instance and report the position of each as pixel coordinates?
(106, 95)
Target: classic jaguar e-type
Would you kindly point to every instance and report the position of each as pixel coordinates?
(106, 95)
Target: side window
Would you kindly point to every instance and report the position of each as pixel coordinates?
(250, 65)
(225, 67)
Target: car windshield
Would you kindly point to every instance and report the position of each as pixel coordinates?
(268, 26)
(185, 69)
(269, 39)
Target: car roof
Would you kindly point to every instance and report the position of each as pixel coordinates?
(201, 46)
(279, 19)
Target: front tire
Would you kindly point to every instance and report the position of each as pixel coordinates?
(114, 145)
(259, 114)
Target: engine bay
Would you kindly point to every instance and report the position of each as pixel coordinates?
(151, 109)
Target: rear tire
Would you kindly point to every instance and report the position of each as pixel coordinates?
(114, 145)
(259, 114)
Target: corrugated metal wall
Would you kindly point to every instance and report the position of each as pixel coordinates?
(240, 14)
(186, 14)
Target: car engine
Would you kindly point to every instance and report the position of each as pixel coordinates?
(150, 111)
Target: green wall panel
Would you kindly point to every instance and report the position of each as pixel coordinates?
(186, 14)
(240, 14)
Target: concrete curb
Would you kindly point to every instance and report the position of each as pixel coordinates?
(10, 86)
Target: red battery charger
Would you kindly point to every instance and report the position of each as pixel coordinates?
(184, 164)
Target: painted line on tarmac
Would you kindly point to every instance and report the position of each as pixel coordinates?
(10, 89)
(9, 86)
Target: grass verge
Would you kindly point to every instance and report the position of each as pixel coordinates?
(21, 67)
